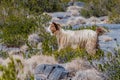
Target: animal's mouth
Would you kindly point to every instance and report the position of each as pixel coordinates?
(49, 31)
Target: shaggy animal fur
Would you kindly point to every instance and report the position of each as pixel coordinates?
(86, 39)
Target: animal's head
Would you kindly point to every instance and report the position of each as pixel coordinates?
(54, 28)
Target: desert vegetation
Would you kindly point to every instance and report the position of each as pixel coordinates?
(102, 8)
(21, 18)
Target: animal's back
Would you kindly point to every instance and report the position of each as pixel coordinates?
(84, 34)
(88, 33)
(76, 36)
(80, 37)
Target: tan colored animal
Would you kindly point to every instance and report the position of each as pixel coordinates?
(86, 38)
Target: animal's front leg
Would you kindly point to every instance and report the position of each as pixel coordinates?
(60, 47)
(61, 44)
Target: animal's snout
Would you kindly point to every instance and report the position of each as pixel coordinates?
(48, 30)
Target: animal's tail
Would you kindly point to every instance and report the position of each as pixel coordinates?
(101, 30)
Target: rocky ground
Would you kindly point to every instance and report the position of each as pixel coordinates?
(77, 69)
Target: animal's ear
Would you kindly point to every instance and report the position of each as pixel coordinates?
(53, 23)
(57, 26)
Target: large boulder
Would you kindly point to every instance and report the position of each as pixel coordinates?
(50, 72)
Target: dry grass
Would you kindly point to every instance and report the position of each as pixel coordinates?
(79, 68)
(29, 64)
(89, 74)
(77, 64)
(82, 70)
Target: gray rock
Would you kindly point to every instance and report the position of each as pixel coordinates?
(70, 3)
(34, 39)
(55, 75)
(80, 4)
(50, 72)
(40, 69)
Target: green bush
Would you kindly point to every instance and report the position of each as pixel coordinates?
(111, 67)
(49, 44)
(44, 5)
(10, 72)
(95, 8)
(19, 18)
(35, 6)
(16, 29)
(3, 54)
(99, 8)
(114, 17)
(17, 23)
(69, 54)
(13, 69)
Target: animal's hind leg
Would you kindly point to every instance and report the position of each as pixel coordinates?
(91, 47)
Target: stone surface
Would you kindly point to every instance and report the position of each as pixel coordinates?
(34, 39)
(50, 72)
